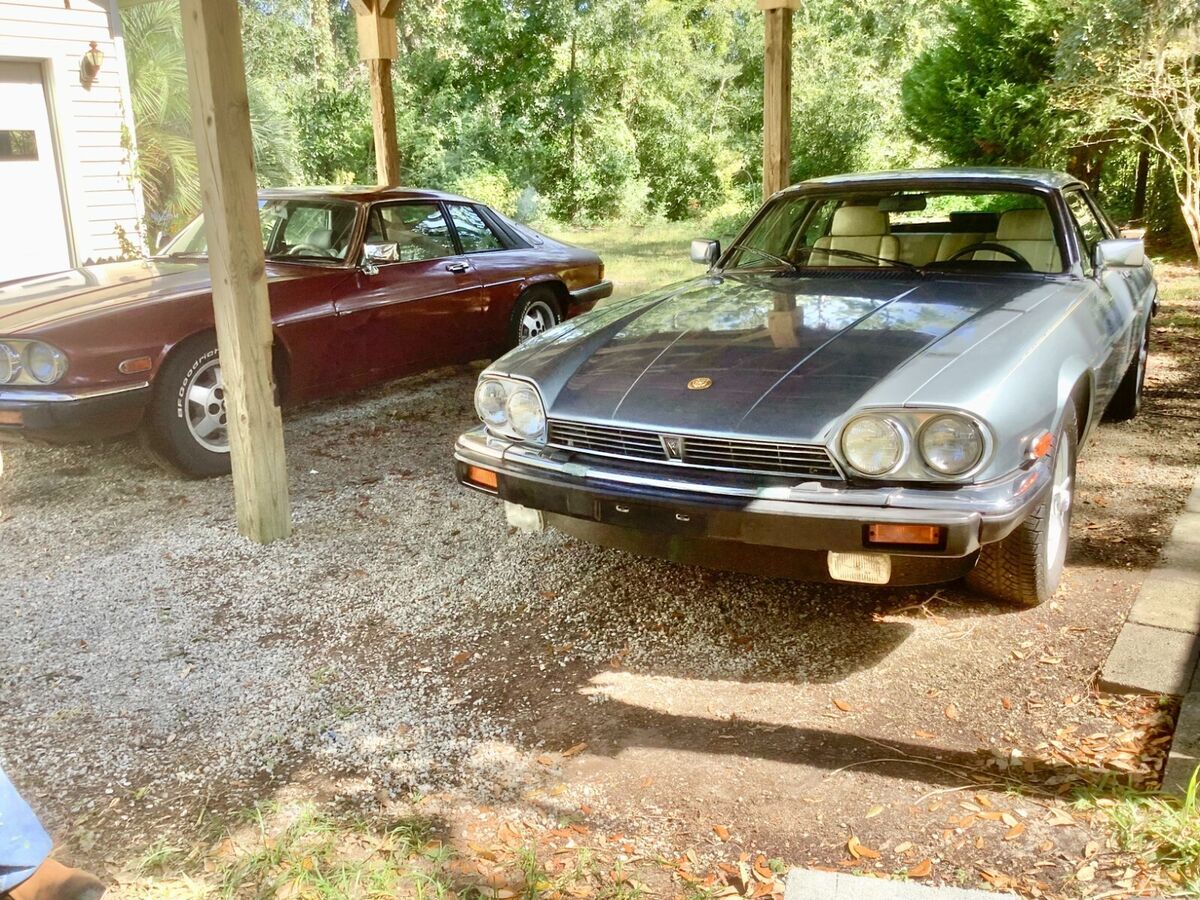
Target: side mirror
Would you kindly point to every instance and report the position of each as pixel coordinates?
(1120, 253)
(387, 251)
(706, 252)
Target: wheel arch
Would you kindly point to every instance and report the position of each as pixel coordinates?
(1076, 387)
(281, 358)
(555, 286)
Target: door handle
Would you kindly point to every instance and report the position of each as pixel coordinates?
(457, 267)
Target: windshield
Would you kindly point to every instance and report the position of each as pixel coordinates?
(962, 231)
(296, 229)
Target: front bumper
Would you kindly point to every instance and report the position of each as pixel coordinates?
(64, 416)
(688, 514)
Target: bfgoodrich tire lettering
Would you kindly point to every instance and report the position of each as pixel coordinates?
(187, 419)
(1025, 568)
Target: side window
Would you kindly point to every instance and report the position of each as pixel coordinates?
(419, 231)
(1090, 229)
(475, 235)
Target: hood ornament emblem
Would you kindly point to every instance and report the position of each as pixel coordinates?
(703, 383)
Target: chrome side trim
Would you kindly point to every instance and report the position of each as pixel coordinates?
(37, 396)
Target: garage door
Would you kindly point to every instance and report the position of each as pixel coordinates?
(33, 232)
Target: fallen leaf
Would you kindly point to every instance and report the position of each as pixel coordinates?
(1015, 832)
(572, 751)
(1009, 819)
(546, 759)
(873, 812)
(924, 734)
(842, 705)
(902, 848)
(921, 869)
(721, 832)
(1006, 702)
(460, 658)
(1087, 873)
(859, 850)
(952, 712)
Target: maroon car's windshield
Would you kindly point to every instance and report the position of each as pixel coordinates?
(292, 228)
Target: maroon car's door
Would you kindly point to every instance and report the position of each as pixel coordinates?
(421, 308)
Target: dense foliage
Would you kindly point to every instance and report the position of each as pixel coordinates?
(590, 110)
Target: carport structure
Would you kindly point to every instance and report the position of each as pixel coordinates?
(221, 126)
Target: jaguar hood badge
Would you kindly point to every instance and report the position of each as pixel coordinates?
(703, 383)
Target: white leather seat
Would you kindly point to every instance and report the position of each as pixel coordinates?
(860, 229)
(1030, 232)
(953, 241)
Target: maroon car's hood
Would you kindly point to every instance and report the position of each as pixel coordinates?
(34, 302)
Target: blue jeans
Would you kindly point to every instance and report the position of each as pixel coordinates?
(24, 844)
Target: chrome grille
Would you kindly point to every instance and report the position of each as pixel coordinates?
(770, 457)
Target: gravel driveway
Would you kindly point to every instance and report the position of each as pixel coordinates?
(156, 669)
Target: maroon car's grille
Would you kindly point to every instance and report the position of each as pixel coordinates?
(771, 457)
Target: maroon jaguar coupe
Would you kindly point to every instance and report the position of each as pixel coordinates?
(366, 284)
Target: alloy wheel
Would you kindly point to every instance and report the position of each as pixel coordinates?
(207, 417)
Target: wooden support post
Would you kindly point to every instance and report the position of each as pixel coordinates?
(777, 94)
(377, 45)
(224, 150)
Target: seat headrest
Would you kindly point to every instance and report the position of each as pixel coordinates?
(859, 221)
(321, 237)
(1025, 225)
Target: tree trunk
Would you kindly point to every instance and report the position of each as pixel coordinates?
(1140, 184)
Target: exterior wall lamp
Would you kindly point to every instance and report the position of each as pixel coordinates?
(89, 65)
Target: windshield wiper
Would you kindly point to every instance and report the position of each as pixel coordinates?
(861, 257)
(779, 259)
(185, 254)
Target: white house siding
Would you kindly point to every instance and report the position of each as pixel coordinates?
(94, 126)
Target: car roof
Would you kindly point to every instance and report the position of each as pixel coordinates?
(359, 192)
(1038, 178)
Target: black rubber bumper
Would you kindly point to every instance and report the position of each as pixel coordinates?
(593, 294)
(762, 537)
(67, 420)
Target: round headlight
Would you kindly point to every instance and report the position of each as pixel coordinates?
(44, 363)
(951, 444)
(525, 413)
(873, 445)
(10, 364)
(489, 402)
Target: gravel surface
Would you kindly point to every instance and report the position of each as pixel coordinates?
(156, 668)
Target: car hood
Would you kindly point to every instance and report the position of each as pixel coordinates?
(786, 356)
(35, 302)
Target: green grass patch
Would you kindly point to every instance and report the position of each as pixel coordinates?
(640, 258)
(1162, 829)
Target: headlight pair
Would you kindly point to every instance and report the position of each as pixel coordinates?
(30, 362)
(913, 444)
(512, 408)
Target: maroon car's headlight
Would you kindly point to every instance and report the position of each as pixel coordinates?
(10, 363)
(43, 363)
(30, 362)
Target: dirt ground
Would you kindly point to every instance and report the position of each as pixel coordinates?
(406, 649)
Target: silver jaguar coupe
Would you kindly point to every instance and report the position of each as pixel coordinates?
(885, 379)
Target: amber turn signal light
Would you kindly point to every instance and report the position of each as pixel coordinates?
(907, 535)
(482, 477)
(135, 365)
(10, 417)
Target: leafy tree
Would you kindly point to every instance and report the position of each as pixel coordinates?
(1132, 69)
(982, 94)
(166, 154)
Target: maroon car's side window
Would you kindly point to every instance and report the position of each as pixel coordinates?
(410, 232)
(475, 235)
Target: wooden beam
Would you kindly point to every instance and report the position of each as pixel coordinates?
(777, 94)
(378, 46)
(221, 126)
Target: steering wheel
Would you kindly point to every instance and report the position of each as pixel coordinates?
(296, 249)
(993, 246)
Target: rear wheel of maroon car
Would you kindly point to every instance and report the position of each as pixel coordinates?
(1025, 568)
(188, 426)
(536, 311)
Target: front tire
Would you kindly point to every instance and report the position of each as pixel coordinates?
(535, 312)
(188, 421)
(1025, 568)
